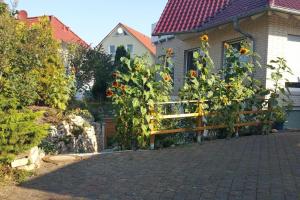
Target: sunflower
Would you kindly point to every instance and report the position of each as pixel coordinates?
(204, 38)
(115, 84)
(115, 74)
(109, 93)
(167, 78)
(170, 52)
(123, 87)
(244, 51)
(193, 73)
(226, 45)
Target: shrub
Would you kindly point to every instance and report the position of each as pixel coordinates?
(19, 129)
(12, 176)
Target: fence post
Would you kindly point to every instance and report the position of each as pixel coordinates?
(152, 137)
(152, 142)
(237, 122)
(269, 120)
(200, 124)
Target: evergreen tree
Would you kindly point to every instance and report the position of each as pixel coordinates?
(19, 129)
(120, 53)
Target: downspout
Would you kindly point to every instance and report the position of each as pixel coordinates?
(237, 28)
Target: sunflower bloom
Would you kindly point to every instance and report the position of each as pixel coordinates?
(244, 51)
(170, 52)
(115, 84)
(123, 87)
(109, 93)
(204, 38)
(115, 74)
(226, 45)
(193, 73)
(167, 78)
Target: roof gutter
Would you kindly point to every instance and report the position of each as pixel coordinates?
(237, 28)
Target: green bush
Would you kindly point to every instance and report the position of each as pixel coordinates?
(19, 129)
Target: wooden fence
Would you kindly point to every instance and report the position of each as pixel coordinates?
(201, 126)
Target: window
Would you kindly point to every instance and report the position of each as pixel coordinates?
(190, 63)
(130, 48)
(112, 50)
(292, 84)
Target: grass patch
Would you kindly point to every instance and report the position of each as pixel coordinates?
(10, 176)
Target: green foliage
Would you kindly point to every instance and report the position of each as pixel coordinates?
(91, 64)
(279, 98)
(48, 147)
(232, 90)
(31, 64)
(19, 129)
(133, 94)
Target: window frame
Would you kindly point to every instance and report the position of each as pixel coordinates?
(131, 52)
(186, 58)
(109, 47)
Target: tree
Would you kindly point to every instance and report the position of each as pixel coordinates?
(93, 69)
(120, 53)
(31, 65)
(103, 73)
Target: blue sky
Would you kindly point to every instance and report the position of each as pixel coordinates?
(92, 20)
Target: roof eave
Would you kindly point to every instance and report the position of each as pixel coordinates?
(285, 10)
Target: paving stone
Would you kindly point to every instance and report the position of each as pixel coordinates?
(248, 168)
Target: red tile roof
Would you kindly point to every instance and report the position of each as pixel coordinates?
(192, 15)
(290, 4)
(145, 40)
(61, 32)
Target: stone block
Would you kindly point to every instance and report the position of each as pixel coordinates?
(19, 162)
(27, 167)
(33, 155)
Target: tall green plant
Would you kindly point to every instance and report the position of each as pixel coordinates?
(225, 91)
(279, 98)
(134, 93)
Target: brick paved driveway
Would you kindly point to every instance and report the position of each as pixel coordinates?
(256, 167)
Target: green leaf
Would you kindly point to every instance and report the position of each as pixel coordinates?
(143, 111)
(135, 103)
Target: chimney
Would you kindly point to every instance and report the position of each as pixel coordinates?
(22, 15)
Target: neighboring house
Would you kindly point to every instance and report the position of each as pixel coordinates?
(271, 26)
(136, 43)
(61, 32)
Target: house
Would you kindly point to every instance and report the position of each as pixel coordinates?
(61, 32)
(136, 43)
(271, 26)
